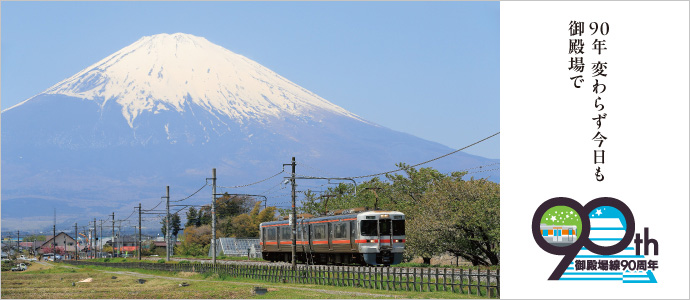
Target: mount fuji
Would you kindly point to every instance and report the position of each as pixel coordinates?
(167, 109)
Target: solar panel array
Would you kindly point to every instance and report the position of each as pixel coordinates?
(237, 247)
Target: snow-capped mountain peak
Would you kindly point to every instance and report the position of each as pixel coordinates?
(167, 71)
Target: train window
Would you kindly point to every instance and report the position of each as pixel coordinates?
(285, 233)
(340, 231)
(301, 232)
(320, 232)
(385, 227)
(271, 234)
(398, 227)
(369, 227)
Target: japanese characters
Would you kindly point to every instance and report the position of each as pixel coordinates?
(591, 51)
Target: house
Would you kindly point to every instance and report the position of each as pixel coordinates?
(60, 241)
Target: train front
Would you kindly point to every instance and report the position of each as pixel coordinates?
(381, 237)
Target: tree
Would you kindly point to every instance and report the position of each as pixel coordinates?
(192, 218)
(233, 205)
(247, 225)
(107, 248)
(473, 232)
(58, 250)
(204, 215)
(196, 241)
(444, 213)
(175, 225)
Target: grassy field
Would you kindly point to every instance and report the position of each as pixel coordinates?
(62, 282)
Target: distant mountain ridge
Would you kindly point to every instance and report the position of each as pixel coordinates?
(164, 111)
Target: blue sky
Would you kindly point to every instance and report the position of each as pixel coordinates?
(430, 69)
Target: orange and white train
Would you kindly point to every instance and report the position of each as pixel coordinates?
(374, 237)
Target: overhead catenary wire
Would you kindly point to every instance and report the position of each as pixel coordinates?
(192, 195)
(130, 215)
(482, 167)
(488, 170)
(159, 203)
(250, 184)
(433, 159)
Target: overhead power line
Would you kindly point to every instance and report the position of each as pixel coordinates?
(482, 167)
(192, 195)
(433, 159)
(130, 215)
(159, 203)
(488, 170)
(250, 184)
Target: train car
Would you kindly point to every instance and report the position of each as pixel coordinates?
(561, 236)
(374, 237)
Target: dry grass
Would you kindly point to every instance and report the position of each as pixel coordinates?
(185, 274)
(56, 282)
(40, 285)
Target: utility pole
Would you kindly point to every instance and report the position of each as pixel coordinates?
(100, 241)
(213, 216)
(76, 242)
(95, 238)
(54, 241)
(17, 241)
(294, 218)
(112, 241)
(139, 239)
(167, 223)
(90, 232)
(119, 238)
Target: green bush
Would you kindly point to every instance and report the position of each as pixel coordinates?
(161, 261)
(184, 262)
(7, 265)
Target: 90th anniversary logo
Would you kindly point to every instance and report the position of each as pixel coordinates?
(597, 241)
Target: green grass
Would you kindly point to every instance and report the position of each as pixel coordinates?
(56, 283)
(430, 290)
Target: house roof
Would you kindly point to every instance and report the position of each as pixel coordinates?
(51, 238)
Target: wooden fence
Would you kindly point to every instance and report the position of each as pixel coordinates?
(473, 281)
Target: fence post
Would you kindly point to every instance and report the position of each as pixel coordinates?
(444, 280)
(452, 280)
(479, 292)
(498, 283)
(394, 281)
(488, 282)
(469, 281)
(436, 270)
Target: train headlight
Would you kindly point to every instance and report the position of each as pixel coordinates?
(372, 241)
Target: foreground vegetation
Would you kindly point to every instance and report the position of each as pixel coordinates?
(62, 282)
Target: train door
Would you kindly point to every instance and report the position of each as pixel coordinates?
(329, 229)
(263, 239)
(278, 239)
(353, 234)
